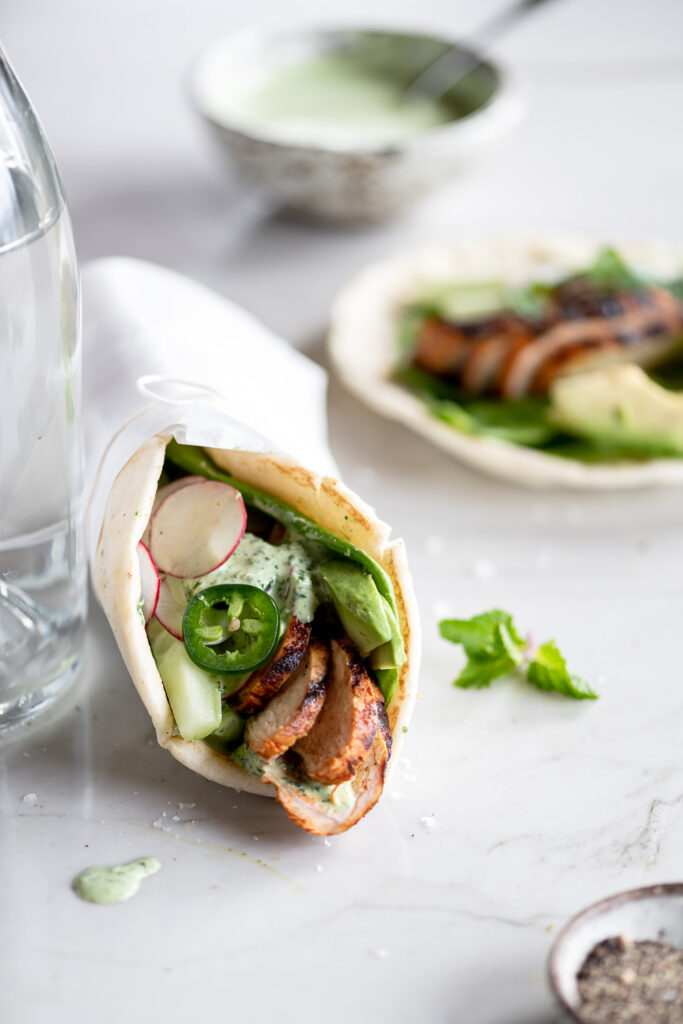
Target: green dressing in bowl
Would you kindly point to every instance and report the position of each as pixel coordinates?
(335, 95)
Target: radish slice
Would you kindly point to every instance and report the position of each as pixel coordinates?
(175, 485)
(149, 580)
(197, 528)
(169, 610)
(163, 492)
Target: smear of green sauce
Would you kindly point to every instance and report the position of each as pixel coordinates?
(114, 884)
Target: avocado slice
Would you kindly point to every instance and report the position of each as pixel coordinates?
(391, 653)
(620, 405)
(361, 608)
(387, 680)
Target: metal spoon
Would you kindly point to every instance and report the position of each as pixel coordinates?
(460, 59)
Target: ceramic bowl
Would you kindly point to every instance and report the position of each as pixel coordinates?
(342, 180)
(654, 912)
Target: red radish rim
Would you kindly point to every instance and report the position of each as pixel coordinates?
(173, 607)
(169, 488)
(169, 568)
(177, 485)
(155, 600)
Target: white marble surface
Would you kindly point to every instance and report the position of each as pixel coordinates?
(511, 809)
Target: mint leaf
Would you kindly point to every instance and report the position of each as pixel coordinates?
(492, 645)
(494, 648)
(548, 671)
(480, 635)
(481, 671)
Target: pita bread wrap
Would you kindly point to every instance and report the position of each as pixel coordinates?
(364, 351)
(120, 509)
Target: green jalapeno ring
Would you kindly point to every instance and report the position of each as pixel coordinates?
(231, 628)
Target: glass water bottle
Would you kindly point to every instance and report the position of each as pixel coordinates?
(42, 562)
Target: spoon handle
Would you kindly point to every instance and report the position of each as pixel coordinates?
(500, 21)
(458, 60)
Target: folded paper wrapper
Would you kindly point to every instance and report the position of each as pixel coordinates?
(165, 355)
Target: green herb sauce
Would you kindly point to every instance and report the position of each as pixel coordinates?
(114, 884)
(334, 98)
(337, 799)
(286, 571)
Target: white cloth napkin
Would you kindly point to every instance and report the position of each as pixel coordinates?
(163, 354)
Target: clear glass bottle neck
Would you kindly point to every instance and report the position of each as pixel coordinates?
(31, 195)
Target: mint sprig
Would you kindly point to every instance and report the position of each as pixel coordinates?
(547, 670)
(494, 648)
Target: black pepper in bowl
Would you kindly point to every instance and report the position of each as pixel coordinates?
(627, 982)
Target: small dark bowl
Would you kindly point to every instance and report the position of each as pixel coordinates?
(652, 913)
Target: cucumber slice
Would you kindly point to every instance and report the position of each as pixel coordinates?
(232, 726)
(194, 695)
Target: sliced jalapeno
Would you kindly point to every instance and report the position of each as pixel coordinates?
(232, 627)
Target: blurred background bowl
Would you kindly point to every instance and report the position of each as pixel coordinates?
(342, 179)
(653, 913)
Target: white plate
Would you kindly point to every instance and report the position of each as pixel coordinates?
(362, 345)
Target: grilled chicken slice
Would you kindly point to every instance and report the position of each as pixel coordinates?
(441, 348)
(445, 349)
(290, 714)
(578, 299)
(581, 328)
(577, 358)
(606, 352)
(346, 726)
(267, 681)
(484, 364)
(642, 334)
(328, 813)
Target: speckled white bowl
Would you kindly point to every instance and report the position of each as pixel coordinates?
(345, 182)
(654, 912)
